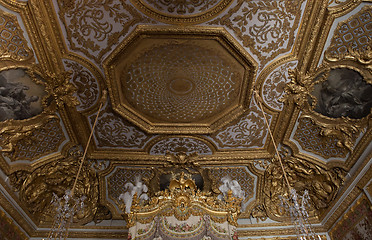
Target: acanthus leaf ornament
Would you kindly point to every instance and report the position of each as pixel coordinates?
(345, 132)
(321, 183)
(59, 93)
(58, 87)
(300, 87)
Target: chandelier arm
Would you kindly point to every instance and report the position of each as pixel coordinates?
(104, 96)
(259, 100)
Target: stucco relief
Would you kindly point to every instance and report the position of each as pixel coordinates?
(273, 87)
(266, 28)
(249, 131)
(85, 82)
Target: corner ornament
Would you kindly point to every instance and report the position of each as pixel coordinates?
(336, 97)
(57, 94)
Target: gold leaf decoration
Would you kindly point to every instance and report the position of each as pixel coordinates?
(353, 33)
(308, 135)
(12, 42)
(247, 132)
(43, 141)
(346, 132)
(55, 177)
(12, 133)
(322, 183)
(267, 28)
(94, 26)
(87, 88)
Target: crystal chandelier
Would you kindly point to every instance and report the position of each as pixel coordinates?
(294, 204)
(69, 205)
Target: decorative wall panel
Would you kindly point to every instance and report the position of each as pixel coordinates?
(308, 136)
(355, 32)
(94, 26)
(273, 87)
(85, 82)
(178, 144)
(8, 229)
(43, 141)
(13, 45)
(356, 223)
(248, 132)
(114, 132)
(266, 28)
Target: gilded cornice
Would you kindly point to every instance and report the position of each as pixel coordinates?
(351, 196)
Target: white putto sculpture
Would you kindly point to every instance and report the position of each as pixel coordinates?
(139, 187)
(234, 186)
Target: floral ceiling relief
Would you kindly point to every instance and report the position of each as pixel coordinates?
(12, 42)
(114, 132)
(273, 87)
(85, 82)
(353, 33)
(267, 28)
(180, 144)
(250, 131)
(94, 26)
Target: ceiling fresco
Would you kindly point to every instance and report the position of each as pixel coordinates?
(182, 78)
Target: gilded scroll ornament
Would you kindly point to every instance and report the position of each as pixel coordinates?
(87, 88)
(346, 132)
(177, 144)
(336, 97)
(182, 12)
(11, 133)
(267, 28)
(17, 178)
(93, 26)
(323, 184)
(308, 135)
(182, 201)
(56, 177)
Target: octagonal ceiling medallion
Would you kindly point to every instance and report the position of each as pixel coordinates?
(179, 80)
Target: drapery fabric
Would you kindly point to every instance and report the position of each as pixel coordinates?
(194, 228)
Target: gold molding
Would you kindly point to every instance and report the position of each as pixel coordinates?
(179, 19)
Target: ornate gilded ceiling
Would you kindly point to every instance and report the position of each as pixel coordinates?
(181, 77)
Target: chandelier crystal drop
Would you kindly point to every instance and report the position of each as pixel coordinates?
(67, 207)
(294, 204)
